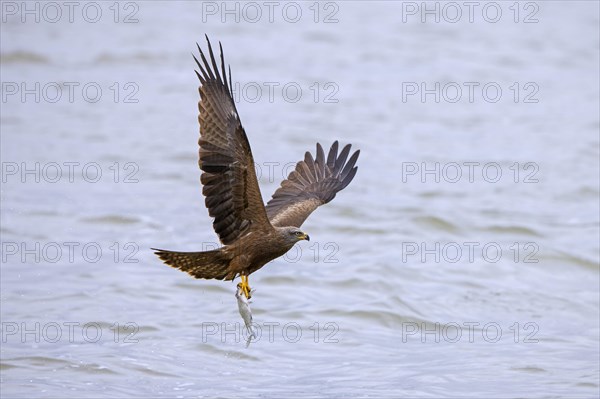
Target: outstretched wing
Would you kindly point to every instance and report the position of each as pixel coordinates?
(230, 186)
(313, 183)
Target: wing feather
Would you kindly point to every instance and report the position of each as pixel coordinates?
(314, 182)
(228, 177)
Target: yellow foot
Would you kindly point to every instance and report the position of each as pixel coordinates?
(245, 287)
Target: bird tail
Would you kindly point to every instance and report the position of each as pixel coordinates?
(208, 264)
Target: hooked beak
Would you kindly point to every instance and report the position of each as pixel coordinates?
(306, 237)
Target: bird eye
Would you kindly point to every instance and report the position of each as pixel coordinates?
(298, 233)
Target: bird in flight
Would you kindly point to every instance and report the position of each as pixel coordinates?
(252, 234)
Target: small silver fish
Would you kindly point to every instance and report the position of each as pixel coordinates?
(246, 313)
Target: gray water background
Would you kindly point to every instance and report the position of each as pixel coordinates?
(375, 319)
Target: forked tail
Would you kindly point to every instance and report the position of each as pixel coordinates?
(208, 264)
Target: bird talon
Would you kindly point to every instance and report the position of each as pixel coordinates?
(245, 287)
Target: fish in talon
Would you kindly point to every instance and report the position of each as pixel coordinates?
(245, 312)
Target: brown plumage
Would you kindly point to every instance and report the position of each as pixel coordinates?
(313, 183)
(251, 234)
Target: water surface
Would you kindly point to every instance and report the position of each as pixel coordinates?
(401, 291)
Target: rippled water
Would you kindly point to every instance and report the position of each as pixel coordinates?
(461, 287)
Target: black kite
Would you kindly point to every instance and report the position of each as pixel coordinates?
(252, 234)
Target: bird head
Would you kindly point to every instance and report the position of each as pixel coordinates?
(294, 234)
